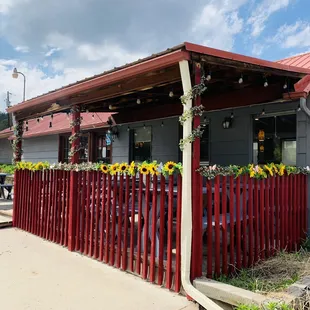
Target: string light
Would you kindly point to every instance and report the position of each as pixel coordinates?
(232, 115)
(144, 126)
(263, 112)
(162, 124)
(171, 94)
(52, 116)
(285, 86)
(41, 118)
(266, 83)
(128, 129)
(299, 108)
(51, 125)
(241, 79)
(138, 101)
(38, 120)
(209, 77)
(93, 116)
(256, 118)
(26, 125)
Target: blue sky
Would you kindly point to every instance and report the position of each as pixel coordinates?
(58, 42)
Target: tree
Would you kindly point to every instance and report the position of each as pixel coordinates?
(3, 121)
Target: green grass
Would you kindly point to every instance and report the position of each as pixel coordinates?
(270, 306)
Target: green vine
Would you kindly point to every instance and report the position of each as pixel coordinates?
(17, 150)
(197, 90)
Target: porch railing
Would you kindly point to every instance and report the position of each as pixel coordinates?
(131, 223)
(246, 220)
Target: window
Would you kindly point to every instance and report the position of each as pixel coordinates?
(84, 148)
(103, 148)
(204, 146)
(277, 142)
(141, 139)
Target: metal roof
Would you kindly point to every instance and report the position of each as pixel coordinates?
(160, 60)
(301, 61)
(60, 124)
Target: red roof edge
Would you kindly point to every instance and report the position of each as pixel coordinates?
(241, 58)
(295, 95)
(105, 79)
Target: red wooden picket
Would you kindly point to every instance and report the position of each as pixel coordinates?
(140, 197)
(250, 242)
(238, 225)
(153, 225)
(108, 218)
(298, 211)
(178, 236)
(209, 229)
(132, 223)
(169, 235)
(244, 221)
(120, 221)
(224, 226)
(256, 222)
(217, 225)
(262, 218)
(126, 224)
(87, 210)
(272, 214)
(232, 224)
(103, 217)
(97, 216)
(92, 213)
(161, 230)
(113, 221)
(267, 215)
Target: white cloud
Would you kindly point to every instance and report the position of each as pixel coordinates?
(218, 23)
(52, 51)
(293, 36)
(257, 49)
(262, 12)
(22, 49)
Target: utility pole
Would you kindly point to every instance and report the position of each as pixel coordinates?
(8, 104)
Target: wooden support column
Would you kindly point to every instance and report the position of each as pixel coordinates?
(75, 157)
(196, 266)
(18, 131)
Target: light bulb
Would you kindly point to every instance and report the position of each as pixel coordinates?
(209, 77)
(162, 124)
(285, 86)
(138, 101)
(266, 83)
(128, 129)
(87, 111)
(263, 112)
(240, 80)
(41, 118)
(171, 94)
(232, 115)
(93, 116)
(144, 126)
(298, 109)
(256, 118)
(38, 120)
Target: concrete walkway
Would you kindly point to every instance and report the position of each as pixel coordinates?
(38, 275)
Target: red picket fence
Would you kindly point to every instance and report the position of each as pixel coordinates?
(246, 220)
(131, 223)
(41, 203)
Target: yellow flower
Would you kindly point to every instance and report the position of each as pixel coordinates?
(104, 168)
(123, 167)
(153, 169)
(131, 168)
(252, 173)
(269, 170)
(114, 169)
(144, 169)
(282, 170)
(169, 167)
(39, 166)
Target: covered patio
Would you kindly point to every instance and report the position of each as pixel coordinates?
(136, 221)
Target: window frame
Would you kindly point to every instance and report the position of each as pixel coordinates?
(132, 141)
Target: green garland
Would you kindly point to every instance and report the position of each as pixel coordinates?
(193, 93)
(253, 171)
(77, 135)
(18, 132)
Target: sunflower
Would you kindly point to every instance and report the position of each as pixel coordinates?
(153, 169)
(123, 168)
(39, 166)
(114, 168)
(131, 168)
(104, 168)
(169, 167)
(144, 169)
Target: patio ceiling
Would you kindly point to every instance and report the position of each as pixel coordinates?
(149, 82)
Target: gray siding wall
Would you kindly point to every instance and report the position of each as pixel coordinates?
(235, 145)
(164, 140)
(6, 151)
(41, 149)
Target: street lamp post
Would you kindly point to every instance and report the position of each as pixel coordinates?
(15, 76)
